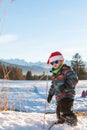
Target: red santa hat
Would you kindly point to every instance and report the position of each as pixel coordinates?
(55, 56)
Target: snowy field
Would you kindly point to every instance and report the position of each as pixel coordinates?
(28, 98)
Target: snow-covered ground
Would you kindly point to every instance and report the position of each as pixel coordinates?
(35, 121)
(29, 99)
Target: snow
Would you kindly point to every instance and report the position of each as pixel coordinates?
(10, 120)
(29, 99)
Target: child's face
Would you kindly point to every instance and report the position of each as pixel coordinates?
(55, 64)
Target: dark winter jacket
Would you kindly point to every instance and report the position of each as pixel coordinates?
(63, 83)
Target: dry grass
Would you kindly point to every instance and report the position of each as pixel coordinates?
(81, 113)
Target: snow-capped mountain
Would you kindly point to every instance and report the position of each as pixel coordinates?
(22, 62)
(35, 67)
(16, 61)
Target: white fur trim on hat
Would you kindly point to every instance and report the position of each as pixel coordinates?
(54, 58)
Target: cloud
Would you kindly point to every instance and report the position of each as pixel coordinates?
(76, 31)
(8, 38)
(79, 49)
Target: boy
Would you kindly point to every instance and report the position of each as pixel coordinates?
(63, 85)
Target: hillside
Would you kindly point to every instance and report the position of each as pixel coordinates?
(35, 67)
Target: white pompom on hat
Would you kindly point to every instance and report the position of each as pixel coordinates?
(55, 56)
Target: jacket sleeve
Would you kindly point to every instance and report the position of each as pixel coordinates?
(51, 93)
(52, 90)
(71, 79)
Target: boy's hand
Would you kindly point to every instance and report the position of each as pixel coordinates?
(49, 98)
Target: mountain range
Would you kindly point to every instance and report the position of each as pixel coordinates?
(35, 67)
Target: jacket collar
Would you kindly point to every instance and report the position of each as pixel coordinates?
(56, 71)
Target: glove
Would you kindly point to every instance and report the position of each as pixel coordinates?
(49, 98)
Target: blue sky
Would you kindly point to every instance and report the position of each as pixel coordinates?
(32, 29)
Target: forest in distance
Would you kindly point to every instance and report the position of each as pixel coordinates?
(15, 73)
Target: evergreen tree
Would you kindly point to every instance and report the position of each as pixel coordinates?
(79, 66)
(29, 75)
(1, 72)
